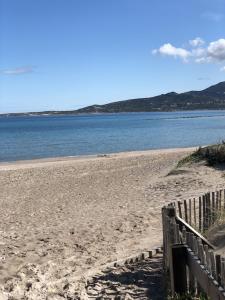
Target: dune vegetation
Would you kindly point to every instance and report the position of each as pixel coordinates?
(212, 155)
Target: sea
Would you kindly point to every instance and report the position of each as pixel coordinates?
(32, 137)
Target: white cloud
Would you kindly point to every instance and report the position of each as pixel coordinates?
(19, 70)
(198, 52)
(197, 42)
(214, 52)
(201, 60)
(170, 50)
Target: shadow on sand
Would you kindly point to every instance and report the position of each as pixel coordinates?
(140, 280)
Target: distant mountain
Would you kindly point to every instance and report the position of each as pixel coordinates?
(210, 98)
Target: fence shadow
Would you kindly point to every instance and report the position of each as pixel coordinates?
(140, 280)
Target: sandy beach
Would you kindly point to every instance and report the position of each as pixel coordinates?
(63, 219)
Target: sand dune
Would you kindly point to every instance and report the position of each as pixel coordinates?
(63, 219)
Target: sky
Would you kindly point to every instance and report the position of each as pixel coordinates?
(67, 54)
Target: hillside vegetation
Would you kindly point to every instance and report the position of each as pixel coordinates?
(210, 98)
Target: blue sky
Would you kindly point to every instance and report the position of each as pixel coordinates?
(66, 54)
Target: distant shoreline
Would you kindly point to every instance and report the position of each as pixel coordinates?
(71, 113)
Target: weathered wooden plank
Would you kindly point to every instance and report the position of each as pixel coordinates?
(200, 213)
(203, 257)
(210, 210)
(224, 198)
(213, 208)
(165, 242)
(194, 212)
(185, 211)
(218, 268)
(207, 283)
(204, 213)
(190, 212)
(192, 241)
(201, 253)
(195, 245)
(217, 201)
(213, 264)
(188, 238)
(177, 234)
(207, 255)
(180, 209)
(178, 274)
(220, 199)
(184, 235)
(223, 272)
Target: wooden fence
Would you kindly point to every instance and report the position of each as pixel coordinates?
(190, 259)
(203, 212)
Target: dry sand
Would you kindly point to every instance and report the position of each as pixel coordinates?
(62, 219)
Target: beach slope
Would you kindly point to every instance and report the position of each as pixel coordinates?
(62, 219)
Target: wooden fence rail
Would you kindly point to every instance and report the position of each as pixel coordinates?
(189, 258)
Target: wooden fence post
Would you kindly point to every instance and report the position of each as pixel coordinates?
(178, 270)
(185, 211)
(217, 201)
(168, 215)
(194, 212)
(200, 213)
(218, 268)
(190, 215)
(224, 199)
(179, 209)
(164, 236)
(204, 212)
(220, 200)
(213, 208)
(210, 210)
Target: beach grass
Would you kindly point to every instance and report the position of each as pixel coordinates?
(212, 155)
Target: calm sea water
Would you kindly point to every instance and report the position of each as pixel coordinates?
(49, 136)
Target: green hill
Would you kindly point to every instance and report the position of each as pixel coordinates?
(210, 98)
